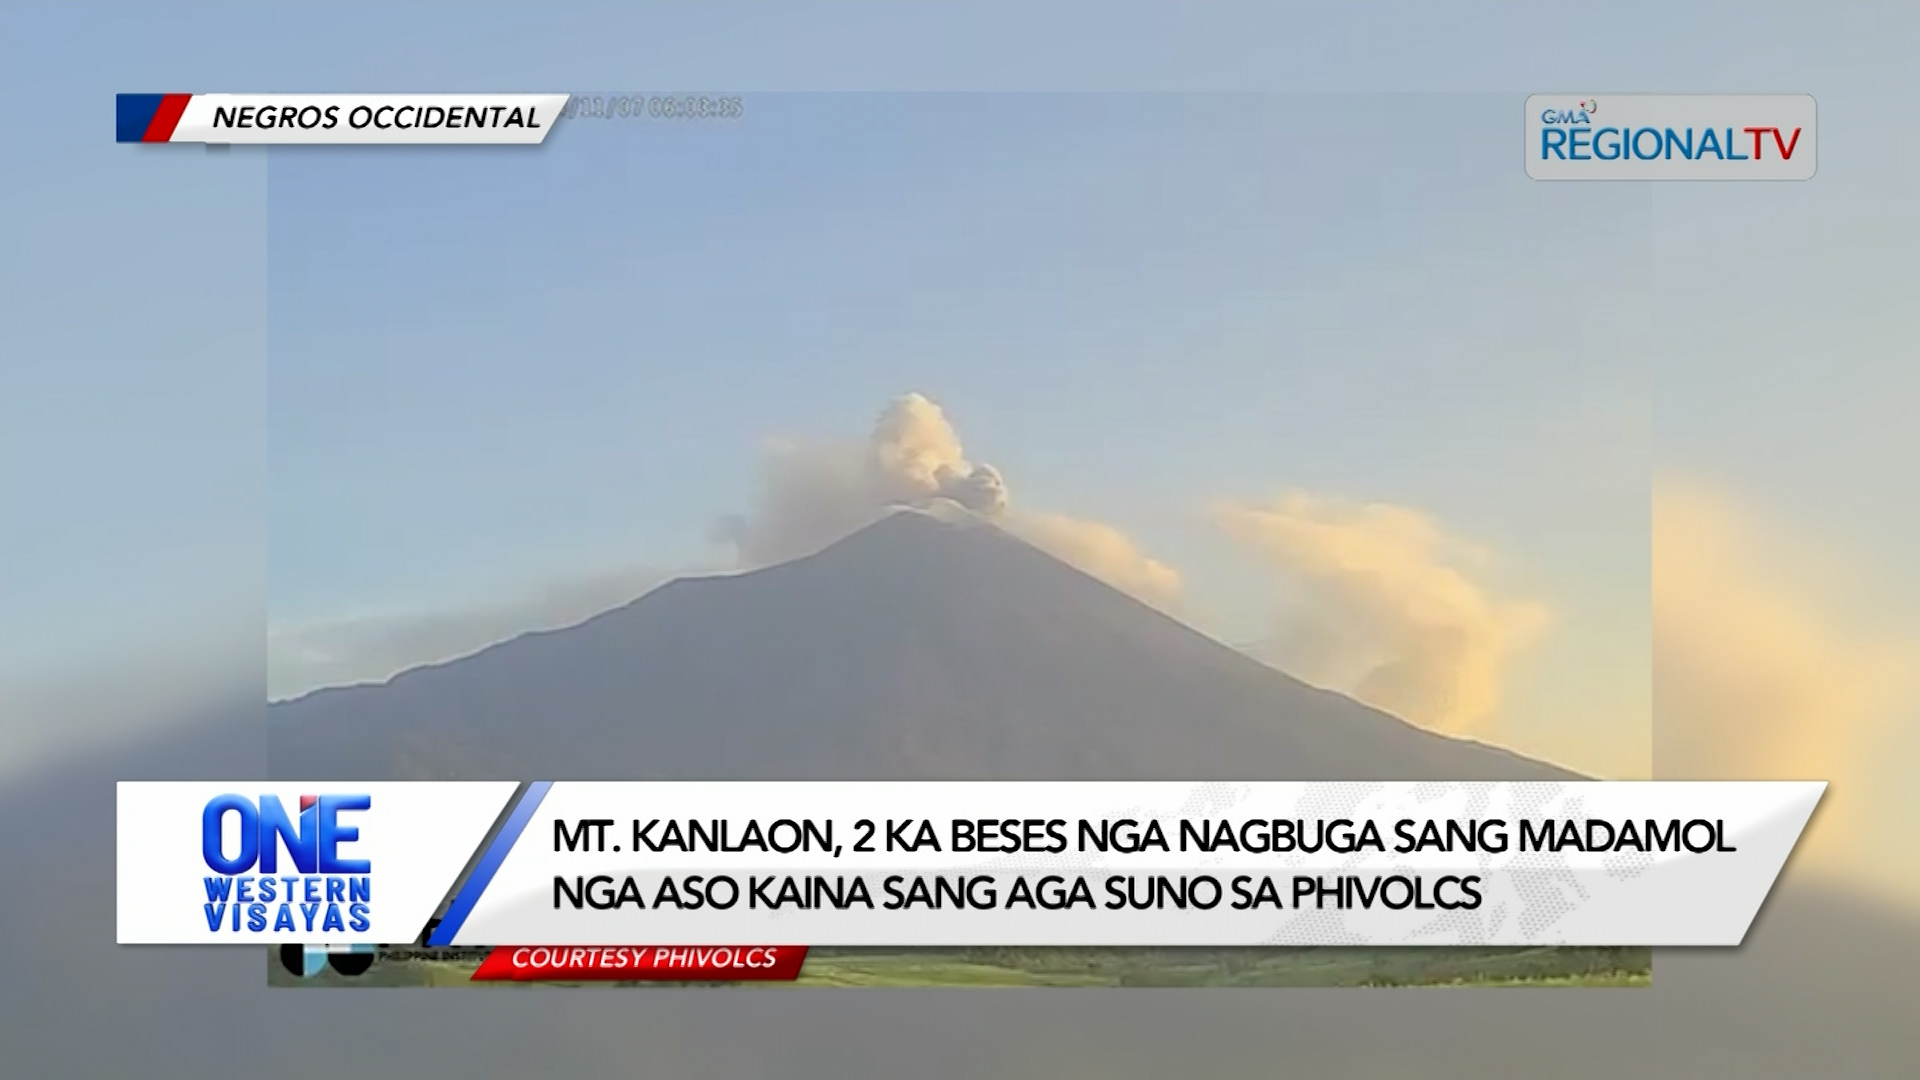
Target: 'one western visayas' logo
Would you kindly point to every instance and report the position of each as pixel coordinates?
(318, 890)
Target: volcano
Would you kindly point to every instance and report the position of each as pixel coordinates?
(925, 646)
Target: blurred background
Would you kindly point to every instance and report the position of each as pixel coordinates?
(133, 300)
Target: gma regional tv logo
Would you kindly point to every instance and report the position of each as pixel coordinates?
(293, 873)
(1670, 137)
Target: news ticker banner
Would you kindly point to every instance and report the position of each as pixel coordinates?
(337, 119)
(1671, 137)
(684, 864)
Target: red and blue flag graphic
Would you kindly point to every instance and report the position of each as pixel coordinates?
(148, 117)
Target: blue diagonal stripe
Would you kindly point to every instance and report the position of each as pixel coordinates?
(132, 113)
(482, 875)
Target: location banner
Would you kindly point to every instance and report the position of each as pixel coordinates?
(337, 119)
(904, 864)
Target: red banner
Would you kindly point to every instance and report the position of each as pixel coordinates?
(642, 963)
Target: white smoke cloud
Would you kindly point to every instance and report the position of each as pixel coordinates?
(914, 454)
(1106, 553)
(1382, 608)
(815, 493)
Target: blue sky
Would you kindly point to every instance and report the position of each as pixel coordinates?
(496, 367)
(141, 296)
(1131, 303)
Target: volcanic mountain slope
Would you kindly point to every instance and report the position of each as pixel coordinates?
(922, 647)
